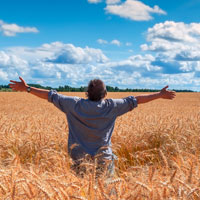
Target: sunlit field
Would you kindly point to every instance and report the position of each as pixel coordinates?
(157, 145)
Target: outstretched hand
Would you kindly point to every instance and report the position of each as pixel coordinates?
(167, 94)
(18, 86)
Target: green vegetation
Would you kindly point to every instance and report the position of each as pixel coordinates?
(66, 88)
(5, 88)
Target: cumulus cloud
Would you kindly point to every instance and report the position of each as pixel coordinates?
(11, 66)
(101, 41)
(94, 1)
(58, 52)
(70, 54)
(177, 79)
(10, 60)
(170, 35)
(176, 49)
(134, 10)
(3, 75)
(12, 29)
(168, 67)
(113, 42)
(160, 45)
(137, 65)
(128, 44)
(116, 42)
(57, 64)
(112, 1)
(53, 62)
(188, 56)
(71, 65)
(175, 32)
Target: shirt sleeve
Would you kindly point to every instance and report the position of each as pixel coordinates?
(62, 102)
(122, 106)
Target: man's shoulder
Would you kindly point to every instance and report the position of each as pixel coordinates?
(71, 97)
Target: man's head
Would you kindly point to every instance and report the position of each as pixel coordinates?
(96, 90)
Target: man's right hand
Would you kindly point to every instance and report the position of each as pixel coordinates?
(18, 86)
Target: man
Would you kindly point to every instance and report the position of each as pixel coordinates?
(91, 121)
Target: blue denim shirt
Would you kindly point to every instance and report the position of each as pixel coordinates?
(91, 123)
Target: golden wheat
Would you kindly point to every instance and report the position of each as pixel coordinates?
(157, 146)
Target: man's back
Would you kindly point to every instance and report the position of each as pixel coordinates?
(91, 123)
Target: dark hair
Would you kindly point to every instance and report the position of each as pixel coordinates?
(96, 90)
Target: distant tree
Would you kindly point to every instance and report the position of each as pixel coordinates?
(67, 88)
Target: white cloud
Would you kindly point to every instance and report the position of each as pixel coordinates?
(128, 44)
(3, 75)
(58, 75)
(176, 47)
(79, 65)
(134, 64)
(12, 29)
(146, 57)
(66, 62)
(112, 1)
(177, 79)
(11, 66)
(70, 54)
(101, 41)
(159, 45)
(113, 42)
(94, 1)
(175, 32)
(116, 42)
(134, 10)
(188, 55)
(177, 38)
(58, 52)
(11, 60)
(175, 41)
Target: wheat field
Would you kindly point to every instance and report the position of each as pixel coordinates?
(157, 144)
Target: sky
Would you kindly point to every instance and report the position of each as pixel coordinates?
(126, 43)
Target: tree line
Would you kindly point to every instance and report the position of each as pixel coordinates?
(66, 88)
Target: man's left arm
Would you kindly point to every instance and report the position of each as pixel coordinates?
(163, 94)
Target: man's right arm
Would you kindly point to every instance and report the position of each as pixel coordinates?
(62, 102)
(22, 86)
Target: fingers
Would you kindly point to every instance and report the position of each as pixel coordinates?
(21, 79)
(167, 94)
(165, 87)
(172, 95)
(13, 81)
(12, 85)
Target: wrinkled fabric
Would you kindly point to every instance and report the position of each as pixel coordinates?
(91, 123)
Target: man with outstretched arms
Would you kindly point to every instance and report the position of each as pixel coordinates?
(91, 121)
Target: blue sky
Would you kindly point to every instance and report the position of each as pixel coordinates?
(126, 43)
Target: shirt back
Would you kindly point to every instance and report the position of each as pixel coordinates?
(91, 123)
